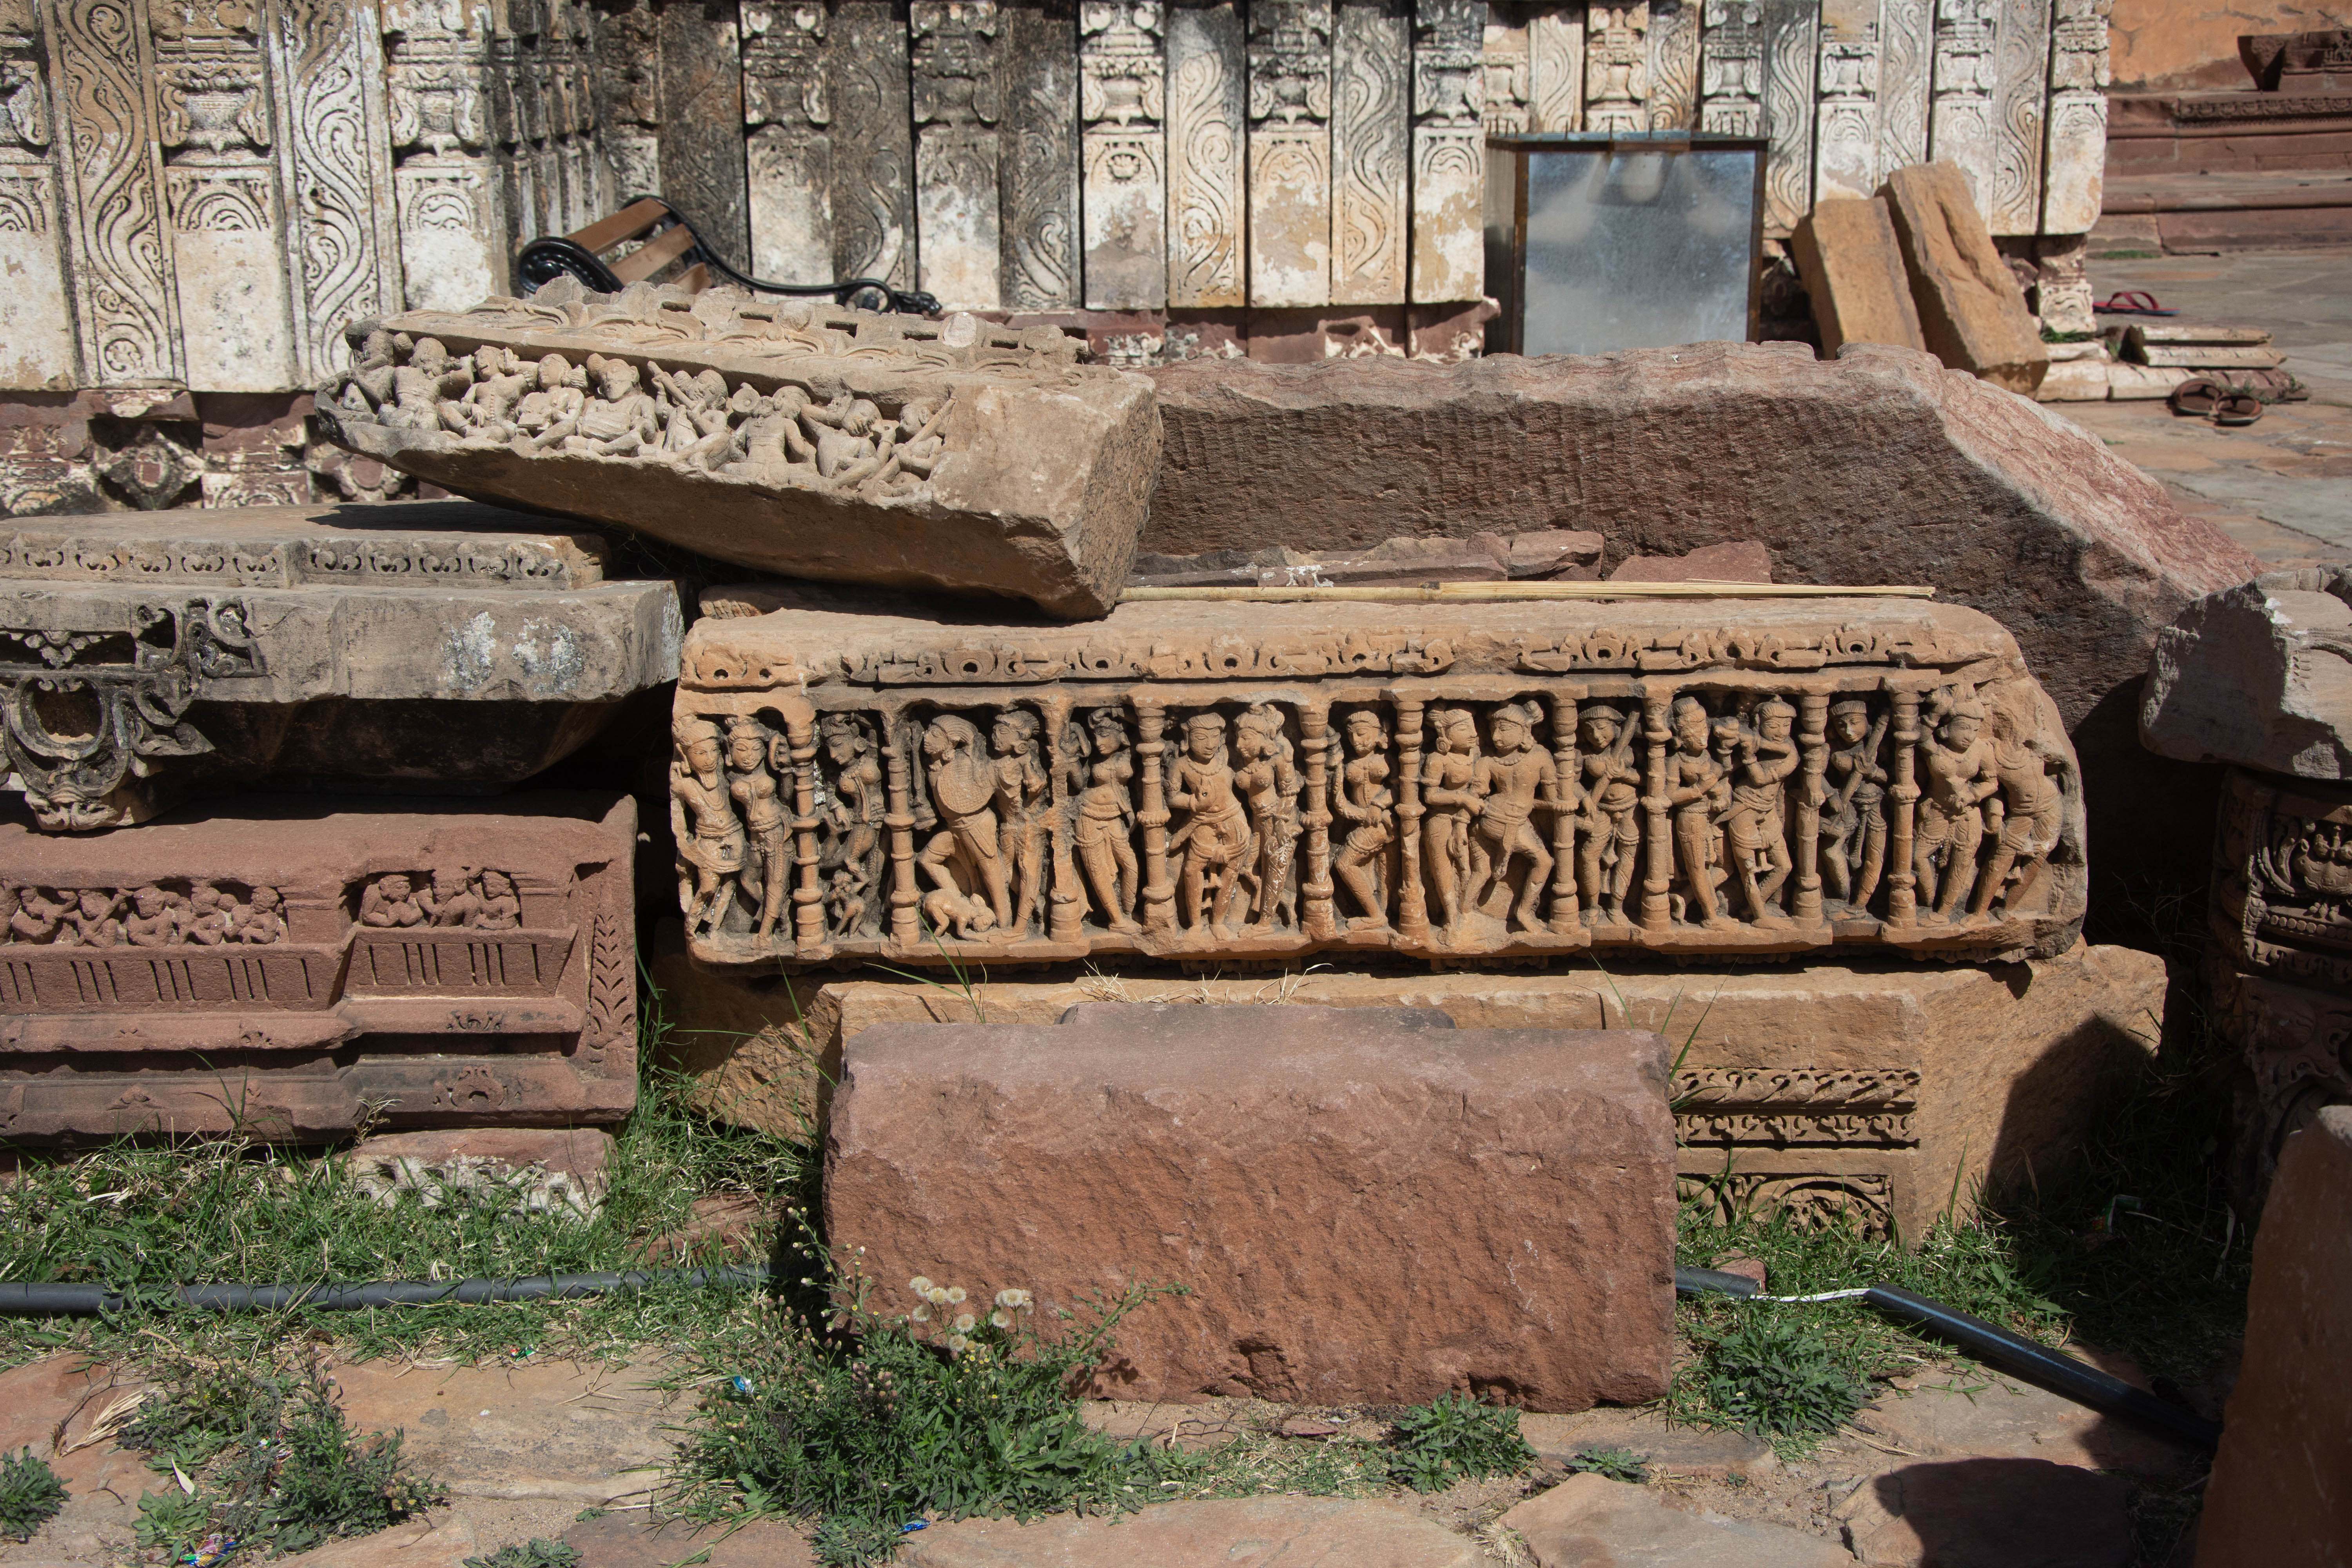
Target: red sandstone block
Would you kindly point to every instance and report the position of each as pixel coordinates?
(1367, 1206)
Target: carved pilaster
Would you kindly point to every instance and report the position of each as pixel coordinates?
(1566, 916)
(1317, 918)
(341, 250)
(627, 52)
(702, 86)
(1124, 103)
(1616, 67)
(2073, 176)
(1731, 68)
(808, 898)
(1961, 118)
(958, 103)
(1151, 817)
(1503, 52)
(445, 185)
(1813, 741)
(1556, 69)
(37, 315)
(1789, 29)
(874, 171)
(1906, 69)
(1413, 899)
(1207, 199)
(901, 737)
(1845, 135)
(1042, 269)
(1371, 64)
(2021, 103)
(788, 149)
(1902, 880)
(1673, 43)
(1658, 868)
(1066, 909)
(1450, 77)
(1290, 152)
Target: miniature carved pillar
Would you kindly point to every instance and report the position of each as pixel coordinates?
(808, 898)
(1565, 916)
(898, 743)
(1813, 736)
(1315, 737)
(1290, 152)
(1902, 882)
(1657, 913)
(1412, 904)
(1068, 905)
(1158, 893)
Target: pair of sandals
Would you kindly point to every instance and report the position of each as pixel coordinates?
(2224, 404)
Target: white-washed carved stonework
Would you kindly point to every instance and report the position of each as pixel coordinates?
(1616, 67)
(342, 254)
(1960, 119)
(1845, 158)
(1178, 784)
(1789, 29)
(1731, 68)
(1371, 58)
(2020, 94)
(2074, 181)
(958, 103)
(1290, 152)
(1507, 60)
(788, 118)
(874, 195)
(1123, 103)
(1043, 265)
(1556, 69)
(1673, 40)
(1905, 71)
(36, 312)
(1207, 199)
(1450, 77)
(102, 61)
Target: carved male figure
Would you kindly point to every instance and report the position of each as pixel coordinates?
(37, 914)
(1368, 805)
(1854, 830)
(767, 838)
(1758, 827)
(2023, 818)
(963, 788)
(1693, 783)
(501, 906)
(451, 900)
(390, 901)
(1269, 783)
(622, 419)
(212, 915)
(550, 414)
(1608, 841)
(1510, 784)
(1020, 781)
(855, 806)
(710, 845)
(1216, 836)
(265, 922)
(1960, 777)
(1447, 789)
(1105, 824)
(429, 379)
(153, 923)
(92, 923)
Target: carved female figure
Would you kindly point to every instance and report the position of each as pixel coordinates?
(710, 844)
(1854, 830)
(1268, 782)
(1960, 777)
(1609, 831)
(1105, 825)
(1447, 791)
(1694, 785)
(1368, 805)
(2023, 818)
(1510, 784)
(1758, 827)
(1215, 838)
(1020, 782)
(857, 801)
(390, 902)
(767, 827)
(963, 788)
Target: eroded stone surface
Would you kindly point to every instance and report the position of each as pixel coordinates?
(271, 965)
(1972, 314)
(141, 658)
(1214, 779)
(1256, 1531)
(797, 438)
(1369, 1208)
(1588, 1520)
(2259, 675)
(1852, 267)
(2278, 1489)
(1986, 1416)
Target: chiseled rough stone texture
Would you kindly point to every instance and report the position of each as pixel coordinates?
(273, 965)
(2259, 675)
(1878, 1092)
(1261, 1532)
(1852, 267)
(1366, 1209)
(803, 439)
(1971, 311)
(1879, 466)
(442, 641)
(2282, 1486)
(1589, 1520)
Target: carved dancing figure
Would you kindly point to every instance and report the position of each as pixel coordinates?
(500, 905)
(2023, 819)
(1366, 802)
(502, 380)
(428, 380)
(1757, 825)
(1960, 777)
(698, 434)
(1854, 830)
(767, 825)
(1268, 782)
(1021, 784)
(211, 916)
(1609, 830)
(1105, 825)
(710, 845)
(1446, 776)
(772, 436)
(1694, 786)
(1510, 784)
(1216, 836)
(390, 903)
(964, 788)
(845, 431)
(855, 804)
(92, 923)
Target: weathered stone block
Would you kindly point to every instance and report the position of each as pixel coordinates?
(2260, 675)
(790, 437)
(275, 964)
(1221, 780)
(1879, 466)
(1367, 1207)
(552, 1170)
(2277, 1493)
(2282, 874)
(1971, 311)
(142, 658)
(1852, 267)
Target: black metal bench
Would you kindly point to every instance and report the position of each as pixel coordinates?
(665, 238)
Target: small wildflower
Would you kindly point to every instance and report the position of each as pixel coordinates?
(1000, 1319)
(965, 1322)
(955, 1292)
(921, 1314)
(920, 1285)
(937, 1295)
(957, 1343)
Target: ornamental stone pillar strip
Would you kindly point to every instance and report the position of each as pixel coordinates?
(36, 312)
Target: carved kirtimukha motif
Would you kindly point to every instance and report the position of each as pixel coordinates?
(1178, 782)
(2282, 878)
(1616, 67)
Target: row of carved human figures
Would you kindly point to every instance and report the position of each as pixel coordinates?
(608, 407)
(1988, 815)
(205, 914)
(465, 896)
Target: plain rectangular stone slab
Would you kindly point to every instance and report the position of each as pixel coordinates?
(2142, 383)
(800, 439)
(1971, 312)
(1588, 1520)
(2075, 381)
(1366, 1208)
(1853, 271)
(2208, 356)
(2259, 675)
(2279, 1487)
(1261, 1532)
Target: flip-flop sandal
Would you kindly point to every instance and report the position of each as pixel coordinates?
(2133, 303)
(2238, 408)
(2200, 396)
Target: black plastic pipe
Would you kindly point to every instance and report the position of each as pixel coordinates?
(345, 1296)
(1712, 1283)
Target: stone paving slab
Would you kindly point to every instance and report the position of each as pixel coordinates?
(1675, 1450)
(1989, 1514)
(1295, 1532)
(1979, 1415)
(633, 1540)
(1588, 1521)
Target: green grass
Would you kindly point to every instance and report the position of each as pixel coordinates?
(30, 1494)
(536, 1552)
(1453, 1438)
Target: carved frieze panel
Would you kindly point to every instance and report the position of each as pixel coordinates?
(37, 310)
(959, 103)
(1318, 777)
(1797, 1105)
(1042, 261)
(342, 256)
(1123, 103)
(1556, 69)
(1290, 152)
(2282, 877)
(1673, 42)
(1960, 123)
(1863, 1202)
(1731, 68)
(1207, 199)
(1846, 138)
(2021, 103)
(1790, 34)
(874, 178)
(304, 958)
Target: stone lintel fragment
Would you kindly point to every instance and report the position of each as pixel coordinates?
(1366, 1206)
(1971, 311)
(1226, 780)
(274, 966)
(2259, 675)
(792, 438)
(1852, 267)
